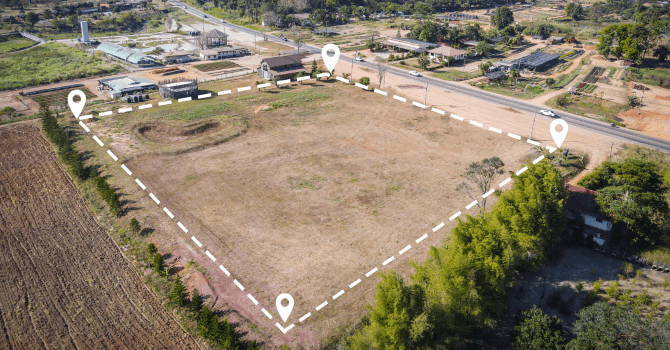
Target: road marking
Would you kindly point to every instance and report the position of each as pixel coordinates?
(388, 261)
(145, 106)
(346, 81)
(98, 141)
(125, 168)
(141, 184)
(238, 284)
(112, 155)
(185, 99)
(285, 81)
(224, 92)
(476, 123)
(284, 330)
(471, 205)
(164, 103)
(154, 198)
(421, 238)
(533, 142)
(505, 182)
(514, 136)
(321, 306)
(438, 111)
(521, 171)
(488, 193)
(260, 86)
(267, 313)
(355, 283)
(84, 117)
(321, 75)
(418, 104)
(454, 216)
(210, 255)
(401, 99)
(197, 242)
(538, 159)
(381, 92)
(105, 113)
(371, 272)
(438, 227)
(305, 317)
(226, 272)
(252, 299)
(457, 117)
(551, 149)
(495, 130)
(304, 78)
(182, 227)
(364, 87)
(204, 96)
(244, 88)
(167, 211)
(84, 126)
(405, 249)
(124, 110)
(338, 294)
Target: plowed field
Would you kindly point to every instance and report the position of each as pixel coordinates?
(64, 284)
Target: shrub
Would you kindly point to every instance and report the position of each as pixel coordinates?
(364, 81)
(580, 287)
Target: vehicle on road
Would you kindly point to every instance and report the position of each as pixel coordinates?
(414, 73)
(613, 125)
(359, 58)
(548, 113)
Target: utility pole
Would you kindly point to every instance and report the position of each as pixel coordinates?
(425, 98)
(351, 75)
(612, 146)
(533, 125)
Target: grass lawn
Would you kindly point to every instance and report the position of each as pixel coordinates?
(585, 105)
(50, 63)
(455, 75)
(518, 91)
(209, 67)
(12, 43)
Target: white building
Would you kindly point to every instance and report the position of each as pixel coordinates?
(439, 53)
(84, 31)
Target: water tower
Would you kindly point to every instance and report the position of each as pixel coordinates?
(84, 31)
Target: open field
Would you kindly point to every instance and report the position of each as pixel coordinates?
(50, 97)
(64, 282)
(50, 63)
(12, 43)
(302, 190)
(209, 67)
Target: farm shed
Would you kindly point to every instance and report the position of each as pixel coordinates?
(122, 86)
(179, 56)
(494, 76)
(178, 88)
(216, 37)
(536, 61)
(408, 45)
(125, 54)
(280, 67)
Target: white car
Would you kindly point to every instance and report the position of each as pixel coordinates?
(359, 58)
(548, 113)
(414, 73)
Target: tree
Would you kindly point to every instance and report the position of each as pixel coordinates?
(473, 32)
(483, 48)
(448, 60)
(661, 52)
(423, 61)
(364, 81)
(178, 294)
(484, 67)
(58, 24)
(574, 10)
(195, 305)
(135, 226)
(632, 192)
(398, 35)
(158, 262)
(314, 67)
(550, 81)
(47, 14)
(298, 37)
(538, 331)
(563, 99)
(151, 248)
(482, 174)
(502, 17)
(32, 18)
(382, 65)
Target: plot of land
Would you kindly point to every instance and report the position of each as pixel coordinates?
(50, 97)
(63, 282)
(208, 67)
(305, 189)
(10, 43)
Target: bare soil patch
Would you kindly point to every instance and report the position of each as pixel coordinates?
(64, 283)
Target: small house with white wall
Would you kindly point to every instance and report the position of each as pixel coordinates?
(209, 55)
(582, 206)
(439, 53)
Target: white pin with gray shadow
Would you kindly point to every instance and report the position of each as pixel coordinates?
(76, 107)
(330, 61)
(284, 311)
(558, 136)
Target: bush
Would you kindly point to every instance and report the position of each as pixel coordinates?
(364, 81)
(108, 195)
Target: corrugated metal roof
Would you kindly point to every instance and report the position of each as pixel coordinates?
(123, 53)
(282, 60)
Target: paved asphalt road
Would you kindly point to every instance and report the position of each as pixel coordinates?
(622, 134)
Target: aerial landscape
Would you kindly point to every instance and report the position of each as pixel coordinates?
(335, 174)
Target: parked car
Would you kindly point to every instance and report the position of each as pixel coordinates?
(414, 73)
(548, 113)
(359, 58)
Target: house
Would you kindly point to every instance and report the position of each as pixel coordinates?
(407, 45)
(178, 56)
(581, 206)
(439, 53)
(280, 67)
(209, 54)
(494, 76)
(216, 37)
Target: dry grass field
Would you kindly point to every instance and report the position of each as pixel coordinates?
(304, 189)
(64, 284)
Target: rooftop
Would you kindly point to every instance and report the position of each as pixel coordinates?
(447, 51)
(125, 84)
(282, 60)
(121, 52)
(215, 34)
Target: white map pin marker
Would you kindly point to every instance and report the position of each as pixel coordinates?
(284, 311)
(76, 107)
(330, 61)
(559, 136)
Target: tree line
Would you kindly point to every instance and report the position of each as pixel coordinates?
(462, 285)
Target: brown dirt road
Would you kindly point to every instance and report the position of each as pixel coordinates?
(64, 283)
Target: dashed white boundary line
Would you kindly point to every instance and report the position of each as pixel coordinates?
(369, 273)
(302, 319)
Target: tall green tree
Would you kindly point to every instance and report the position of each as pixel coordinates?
(178, 293)
(502, 17)
(195, 305)
(158, 263)
(538, 331)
